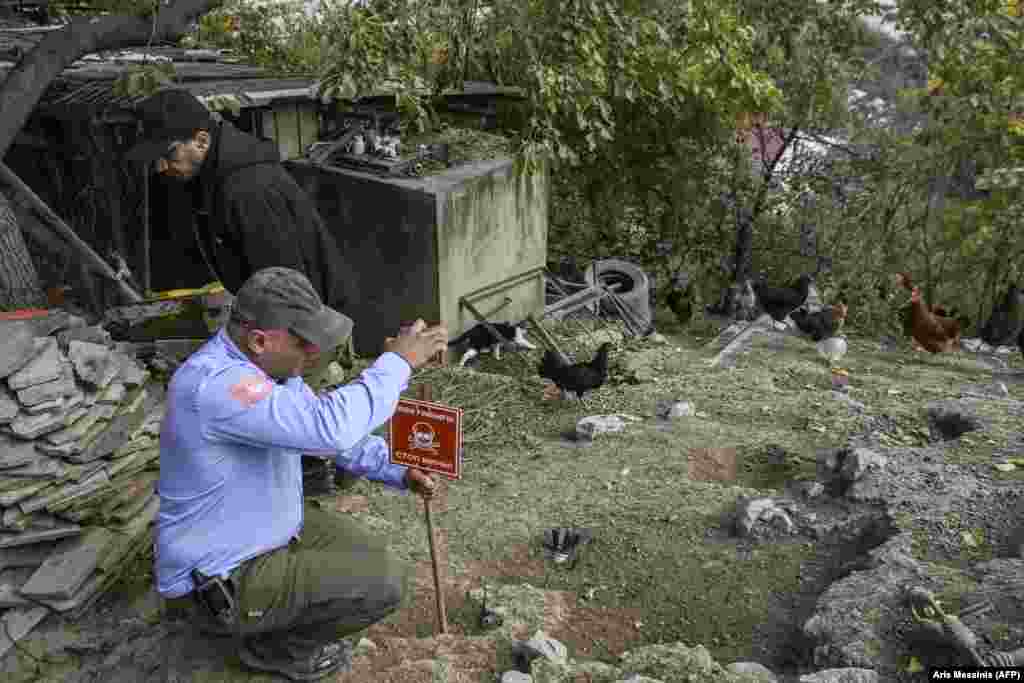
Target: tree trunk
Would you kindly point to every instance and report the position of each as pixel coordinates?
(29, 79)
(19, 282)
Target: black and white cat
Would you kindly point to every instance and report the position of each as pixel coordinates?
(478, 339)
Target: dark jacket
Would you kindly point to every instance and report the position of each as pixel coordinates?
(253, 215)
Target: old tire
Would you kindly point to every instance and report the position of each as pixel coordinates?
(633, 292)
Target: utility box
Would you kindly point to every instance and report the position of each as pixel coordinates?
(418, 247)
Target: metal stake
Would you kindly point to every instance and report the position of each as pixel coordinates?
(423, 392)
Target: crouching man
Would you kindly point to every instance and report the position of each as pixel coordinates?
(235, 545)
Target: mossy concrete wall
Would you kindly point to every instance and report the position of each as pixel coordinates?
(415, 247)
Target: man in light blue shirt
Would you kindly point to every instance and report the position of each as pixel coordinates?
(233, 535)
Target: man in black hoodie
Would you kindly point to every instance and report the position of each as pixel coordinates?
(250, 213)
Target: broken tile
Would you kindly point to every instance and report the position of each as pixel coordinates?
(61, 575)
(62, 451)
(41, 467)
(14, 496)
(48, 391)
(91, 396)
(50, 406)
(17, 346)
(132, 374)
(16, 520)
(93, 334)
(78, 429)
(107, 411)
(122, 464)
(93, 362)
(33, 426)
(139, 443)
(10, 581)
(66, 493)
(116, 433)
(58, 319)
(9, 406)
(114, 393)
(45, 367)
(125, 513)
(8, 540)
(15, 452)
(134, 404)
(31, 555)
(18, 623)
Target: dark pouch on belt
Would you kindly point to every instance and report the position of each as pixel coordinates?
(216, 595)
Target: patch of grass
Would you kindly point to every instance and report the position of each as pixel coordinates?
(651, 550)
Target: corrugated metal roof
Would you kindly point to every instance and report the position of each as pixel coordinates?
(78, 97)
(86, 87)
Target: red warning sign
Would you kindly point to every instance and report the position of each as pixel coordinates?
(427, 436)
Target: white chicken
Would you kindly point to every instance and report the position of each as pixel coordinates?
(832, 349)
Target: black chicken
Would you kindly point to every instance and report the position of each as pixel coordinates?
(1007, 319)
(820, 324)
(680, 301)
(779, 302)
(577, 378)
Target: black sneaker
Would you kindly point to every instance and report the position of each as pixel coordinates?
(326, 661)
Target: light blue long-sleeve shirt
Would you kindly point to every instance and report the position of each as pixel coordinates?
(230, 455)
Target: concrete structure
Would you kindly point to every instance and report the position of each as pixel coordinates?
(416, 247)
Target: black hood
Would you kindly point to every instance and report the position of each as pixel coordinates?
(231, 149)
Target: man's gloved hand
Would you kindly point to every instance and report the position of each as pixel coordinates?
(418, 343)
(420, 482)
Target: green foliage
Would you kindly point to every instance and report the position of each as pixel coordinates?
(144, 79)
(637, 103)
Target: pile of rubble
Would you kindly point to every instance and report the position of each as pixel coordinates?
(79, 426)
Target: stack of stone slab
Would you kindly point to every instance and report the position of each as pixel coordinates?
(79, 426)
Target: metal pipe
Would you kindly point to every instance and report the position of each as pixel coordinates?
(54, 221)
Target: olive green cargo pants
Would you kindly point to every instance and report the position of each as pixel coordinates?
(336, 579)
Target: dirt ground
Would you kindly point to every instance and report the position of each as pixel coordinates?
(663, 566)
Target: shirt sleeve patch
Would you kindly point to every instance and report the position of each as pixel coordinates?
(251, 389)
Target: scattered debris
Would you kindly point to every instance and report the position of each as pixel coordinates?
(589, 428)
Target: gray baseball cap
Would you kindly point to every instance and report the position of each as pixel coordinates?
(283, 298)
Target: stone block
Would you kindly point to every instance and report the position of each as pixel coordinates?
(119, 430)
(92, 334)
(17, 346)
(46, 366)
(57, 319)
(95, 364)
(11, 580)
(90, 484)
(31, 487)
(131, 373)
(62, 574)
(48, 391)
(8, 540)
(40, 467)
(15, 452)
(34, 426)
(9, 407)
(113, 394)
(50, 406)
(18, 623)
(78, 429)
(31, 556)
(64, 450)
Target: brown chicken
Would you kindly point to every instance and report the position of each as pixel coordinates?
(906, 313)
(933, 332)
